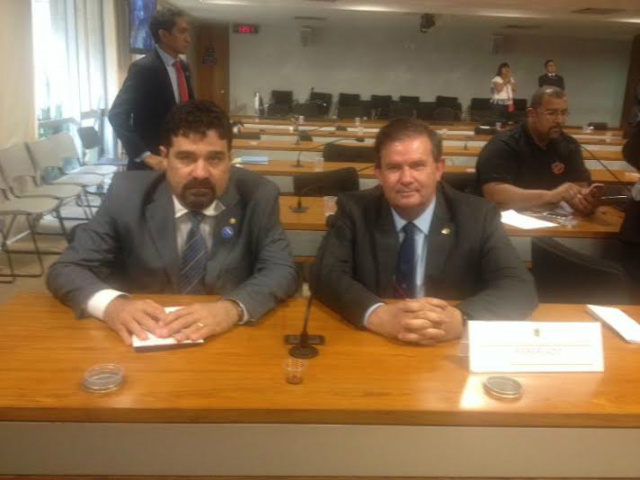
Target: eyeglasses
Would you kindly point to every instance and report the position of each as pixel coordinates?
(556, 113)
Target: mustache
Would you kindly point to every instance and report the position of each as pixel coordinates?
(199, 184)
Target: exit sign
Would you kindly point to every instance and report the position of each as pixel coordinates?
(243, 28)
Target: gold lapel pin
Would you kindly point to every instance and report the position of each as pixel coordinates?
(446, 231)
(232, 221)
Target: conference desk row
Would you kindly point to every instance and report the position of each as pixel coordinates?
(614, 143)
(318, 147)
(367, 406)
(377, 124)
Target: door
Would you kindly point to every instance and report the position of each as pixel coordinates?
(212, 64)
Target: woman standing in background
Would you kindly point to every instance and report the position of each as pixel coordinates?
(503, 87)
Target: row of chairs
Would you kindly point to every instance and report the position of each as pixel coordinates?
(38, 179)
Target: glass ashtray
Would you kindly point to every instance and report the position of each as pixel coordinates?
(103, 378)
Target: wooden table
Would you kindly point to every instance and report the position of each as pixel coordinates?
(449, 151)
(320, 132)
(225, 409)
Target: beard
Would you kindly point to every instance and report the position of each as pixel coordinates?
(198, 194)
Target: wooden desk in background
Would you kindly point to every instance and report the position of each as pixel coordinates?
(367, 406)
(305, 146)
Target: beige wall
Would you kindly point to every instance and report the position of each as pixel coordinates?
(17, 91)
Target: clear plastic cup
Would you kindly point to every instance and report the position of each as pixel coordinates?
(294, 369)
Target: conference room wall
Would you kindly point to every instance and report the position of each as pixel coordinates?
(447, 61)
(17, 96)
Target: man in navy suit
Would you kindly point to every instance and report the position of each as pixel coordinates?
(154, 85)
(203, 227)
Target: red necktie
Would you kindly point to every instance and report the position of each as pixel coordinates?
(182, 81)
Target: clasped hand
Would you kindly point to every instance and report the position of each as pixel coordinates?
(194, 322)
(423, 321)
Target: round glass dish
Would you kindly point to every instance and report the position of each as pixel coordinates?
(103, 378)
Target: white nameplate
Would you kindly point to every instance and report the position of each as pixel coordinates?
(514, 346)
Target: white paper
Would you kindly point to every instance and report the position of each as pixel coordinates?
(153, 341)
(515, 219)
(515, 346)
(619, 321)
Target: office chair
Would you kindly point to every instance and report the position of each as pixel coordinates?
(323, 100)
(350, 111)
(332, 182)
(334, 152)
(480, 109)
(403, 110)
(409, 99)
(462, 181)
(564, 275)
(444, 114)
(381, 105)
(349, 100)
(90, 139)
(425, 110)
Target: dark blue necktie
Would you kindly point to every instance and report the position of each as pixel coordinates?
(406, 266)
(193, 264)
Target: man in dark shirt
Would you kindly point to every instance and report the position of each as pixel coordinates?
(536, 164)
(551, 78)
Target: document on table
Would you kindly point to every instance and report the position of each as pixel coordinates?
(514, 346)
(515, 219)
(153, 343)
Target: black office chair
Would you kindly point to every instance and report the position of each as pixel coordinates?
(308, 110)
(350, 111)
(444, 114)
(323, 100)
(334, 152)
(464, 182)
(403, 110)
(282, 97)
(246, 136)
(349, 100)
(332, 182)
(480, 109)
(564, 275)
(425, 110)
(278, 110)
(381, 106)
(409, 99)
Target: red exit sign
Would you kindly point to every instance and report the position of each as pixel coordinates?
(243, 28)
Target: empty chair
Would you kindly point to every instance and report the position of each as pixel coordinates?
(334, 152)
(350, 111)
(332, 182)
(64, 148)
(282, 97)
(90, 139)
(402, 110)
(323, 100)
(381, 106)
(278, 110)
(349, 100)
(445, 114)
(564, 275)
(462, 181)
(450, 102)
(308, 110)
(409, 99)
(425, 110)
(480, 109)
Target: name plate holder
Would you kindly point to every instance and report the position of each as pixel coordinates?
(529, 347)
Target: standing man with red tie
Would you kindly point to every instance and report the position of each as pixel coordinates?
(154, 84)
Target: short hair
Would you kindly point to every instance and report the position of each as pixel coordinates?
(403, 128)
(500, 67)
(543, 92)
(164, 19)
(548, 62)
(195, 117)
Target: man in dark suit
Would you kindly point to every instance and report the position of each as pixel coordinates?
(414, 239)
(203, 227)
(551, 77)
(154, 84)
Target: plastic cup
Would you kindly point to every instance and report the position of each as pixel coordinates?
(294, 369)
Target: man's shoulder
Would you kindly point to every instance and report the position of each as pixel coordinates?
(505, 140)
(468, 204)
(149, 61)
(136, 180)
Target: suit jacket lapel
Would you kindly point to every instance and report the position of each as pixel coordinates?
(161, 225)
(386, 250)
(441, 239)
(226, 232)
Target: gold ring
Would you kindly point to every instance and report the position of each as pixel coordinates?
(200, 324)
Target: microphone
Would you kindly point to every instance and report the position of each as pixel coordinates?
(298, 164)
(304, 348)
(624, 185)
(304, 135)
(299, 208)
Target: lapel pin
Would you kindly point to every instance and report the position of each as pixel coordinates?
(227, 232)
(232, 221)
(446, 231)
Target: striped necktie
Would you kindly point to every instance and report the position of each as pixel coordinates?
(193, 264)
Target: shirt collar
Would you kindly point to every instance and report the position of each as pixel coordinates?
(211, 211)
(167, 59)
(423, 222)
